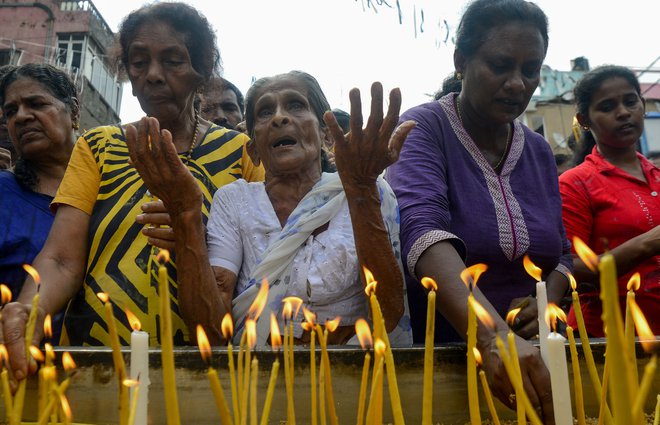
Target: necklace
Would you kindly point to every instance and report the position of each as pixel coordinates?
(508, 135)
(193, 142)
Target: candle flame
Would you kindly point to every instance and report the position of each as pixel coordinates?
(275, 335)
(307, 327)
(531, 268)
(331, 325)
(67, 362)
(251, 331)
(552, 313)
(49, 373)
(572, 280)
(4, 355)
(310, 316)
(296, 303)
(50, 353)
(481, 313)
(130, 382)
(133, 320)
(48, 326)
(588, 257)
(32, 272)
(5, 293)
(203, 343)
(36, 353)
(511, 315)
(103, 297)
(66, 408)
(163, 256)
(259, 301)
(379, 346)
(477, 356)
(634, 282)
(472, 274)
(646, 336)
(370, 287)
(363, 333)
(429, 284)
(287, 310)
(227, 327)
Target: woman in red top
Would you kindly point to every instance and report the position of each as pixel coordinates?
(612, 199)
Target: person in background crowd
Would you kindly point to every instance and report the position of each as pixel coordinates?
(475, 185)
(42, 111)
(654, 157)
(309, 232)
(611, 201)
(97, 244)
(222, 103)
(7, 151)
(563, 162)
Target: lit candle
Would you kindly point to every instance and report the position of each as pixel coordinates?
(486, 389)
(228, 332)
(166, 342)
(295, 303)
(117, 358)
(139, 368)
(275, 343)
(45, 415)
(561, 394)
(616, 352)
(470, 276)
(393, 387)
(214, 380)
(427, 397)
(254, 374)
(287, 311)
(322, 393)
(650, 344)
(19, 397)
(629, 330)
(42, 389)
(65, 409)
(4, 376)
(513, 352)
(376, 384)
(308, 326)
(134, 389)
(330, 325)
(515, 380)
(364, 336)
(250, 341)
(541, 305)
(239, 378)
(577, 378)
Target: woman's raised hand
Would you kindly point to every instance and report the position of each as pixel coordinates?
(363, 154)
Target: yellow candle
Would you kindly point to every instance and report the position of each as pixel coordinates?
(269, 393)
(232, 379)
(167, 350)
(489, 398)
(577, 378)
(656, 419)
(376, 384)
(19, 397)
(6, 393)
(364, 336)
(214, 380)
(288, 385)
(239, 377)
(616, 350)
(134, 402)
(645, 387)
(60, 390)
(427, 397)
(473, 394)
(325, 364)
(254, 374)
(251, 332)
(513, 353)
(322, 393)
(602, 412)
(629, 331)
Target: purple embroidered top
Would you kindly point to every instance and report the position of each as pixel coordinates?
(447, 190)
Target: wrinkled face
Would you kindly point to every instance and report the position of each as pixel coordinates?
(39, 124)
(500, 78)
(221, 107)
(287, 133)
(160, 71)
(616, 114)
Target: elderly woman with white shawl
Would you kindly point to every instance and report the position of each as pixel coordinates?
(307, 233)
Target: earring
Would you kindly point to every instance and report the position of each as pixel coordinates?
(75, 125)
(585, 127)
(459, 76)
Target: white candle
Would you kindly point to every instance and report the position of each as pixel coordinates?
(544, 330)
(140, 371)
(561, 393)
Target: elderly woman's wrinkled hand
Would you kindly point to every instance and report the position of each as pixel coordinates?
(13, 323)
(154, 155)
(536, 378)
(363, 154)
(158, 225)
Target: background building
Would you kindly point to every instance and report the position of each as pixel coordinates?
(73, 36)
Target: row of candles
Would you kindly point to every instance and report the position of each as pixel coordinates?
(620, 373)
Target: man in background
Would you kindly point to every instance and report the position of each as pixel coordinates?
(222, 103)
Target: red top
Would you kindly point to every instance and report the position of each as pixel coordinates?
(603, 202)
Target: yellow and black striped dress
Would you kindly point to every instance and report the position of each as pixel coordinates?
(100, 182)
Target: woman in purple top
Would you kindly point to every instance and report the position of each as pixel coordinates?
(476, 186)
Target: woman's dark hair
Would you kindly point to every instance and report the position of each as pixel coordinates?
(584, 91)
(481, 16)
(199, 37)
(58, 84)
(451, 84)
(315, 96)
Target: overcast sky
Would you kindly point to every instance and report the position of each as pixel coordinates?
(350, 43)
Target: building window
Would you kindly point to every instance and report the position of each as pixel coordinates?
(70, 50)
(10, 57)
